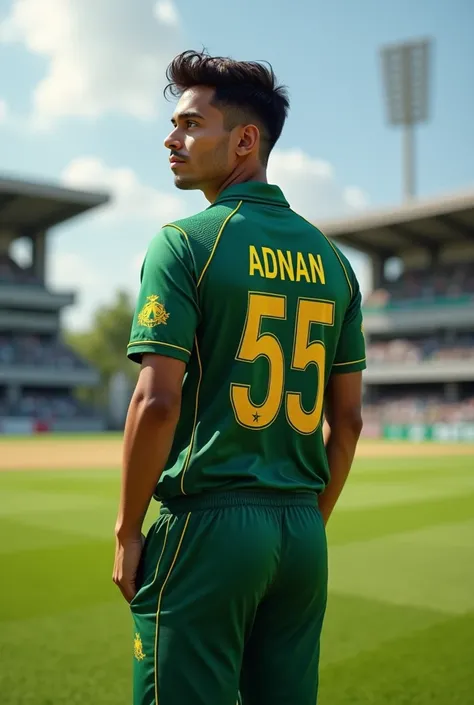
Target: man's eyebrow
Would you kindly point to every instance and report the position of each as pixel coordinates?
(187, 114)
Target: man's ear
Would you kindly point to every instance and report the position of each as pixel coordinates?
(249, 139)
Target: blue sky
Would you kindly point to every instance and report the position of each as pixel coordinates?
(80, 102)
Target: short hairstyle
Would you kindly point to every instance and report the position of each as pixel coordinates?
(245, 91)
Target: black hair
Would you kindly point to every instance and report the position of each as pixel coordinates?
(245, 91)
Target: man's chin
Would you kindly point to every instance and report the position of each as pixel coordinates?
(185, 184)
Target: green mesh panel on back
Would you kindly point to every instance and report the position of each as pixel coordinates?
(202, 230)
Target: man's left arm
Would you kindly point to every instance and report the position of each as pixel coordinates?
(162, 339)
(343, 402)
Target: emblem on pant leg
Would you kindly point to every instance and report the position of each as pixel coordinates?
(138, 648)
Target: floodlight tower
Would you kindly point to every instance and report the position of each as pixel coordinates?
(405, 68)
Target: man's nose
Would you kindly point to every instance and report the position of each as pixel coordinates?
(173, 141)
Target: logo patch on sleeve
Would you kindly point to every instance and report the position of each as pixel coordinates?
(153, 313)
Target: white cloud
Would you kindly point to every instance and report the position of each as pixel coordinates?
(356, 198)
(166, 12)
(311, 187)
(104, 57)
(70, 271)
(131, 199)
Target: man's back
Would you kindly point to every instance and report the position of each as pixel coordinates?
(268, 308)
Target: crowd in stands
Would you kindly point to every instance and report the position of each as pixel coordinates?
(43, 406)
(11, 272)
(40, 352)
(413, 410)
(446, 281)
(35, 350)
(413, 350)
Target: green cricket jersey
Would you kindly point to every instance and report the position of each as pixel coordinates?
(263, 308)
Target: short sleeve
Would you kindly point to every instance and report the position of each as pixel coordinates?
(350, 354)
(167, 311)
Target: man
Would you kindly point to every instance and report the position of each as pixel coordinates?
(248, 323)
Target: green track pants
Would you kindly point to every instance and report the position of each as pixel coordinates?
(231, 602)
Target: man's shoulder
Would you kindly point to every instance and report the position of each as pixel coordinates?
(205, 223)
(331, 247)
(203, 230)
(314, 231)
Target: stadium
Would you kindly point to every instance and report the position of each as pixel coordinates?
(38, 372)
(407, 509)
(418, 318)
(400, 623)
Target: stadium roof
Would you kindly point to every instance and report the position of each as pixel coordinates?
(428, 224)
(28, 208)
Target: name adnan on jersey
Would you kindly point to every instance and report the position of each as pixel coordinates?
(294, 266)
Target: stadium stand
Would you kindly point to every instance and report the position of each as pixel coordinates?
(38, 372)
(418, 321)
(420, 349)
(24, 350)
(11, 272)
(442, 281)
(420, 409)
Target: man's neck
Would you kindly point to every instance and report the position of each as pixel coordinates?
(239, 176)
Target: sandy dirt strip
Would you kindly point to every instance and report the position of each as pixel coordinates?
(54, 454)
(103, 453)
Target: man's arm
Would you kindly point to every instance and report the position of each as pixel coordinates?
(149, 431)
(343, 428)
(161, 341)
(343, 399)
(344, 425)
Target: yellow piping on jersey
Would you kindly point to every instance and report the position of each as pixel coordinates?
(158, 342)
(172, 225)
(340, 261)
(160, 596)
(196, 406)
(219, 235)
(352, 362)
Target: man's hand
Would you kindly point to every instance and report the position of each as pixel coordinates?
(128, 552)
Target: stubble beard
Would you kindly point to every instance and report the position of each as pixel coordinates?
(184, 184)
(217, 158)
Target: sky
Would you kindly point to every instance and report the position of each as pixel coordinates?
(81, 104)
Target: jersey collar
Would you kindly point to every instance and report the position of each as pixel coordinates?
(255, 191)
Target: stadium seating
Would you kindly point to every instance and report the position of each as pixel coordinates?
(34, 350)
(30, 350)
(45, 406)
(413, 350)
(418, 409)
(425, 285)
(12, 273)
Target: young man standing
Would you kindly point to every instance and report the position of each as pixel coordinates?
(248, 324)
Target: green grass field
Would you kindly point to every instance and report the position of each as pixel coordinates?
(400, 622)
